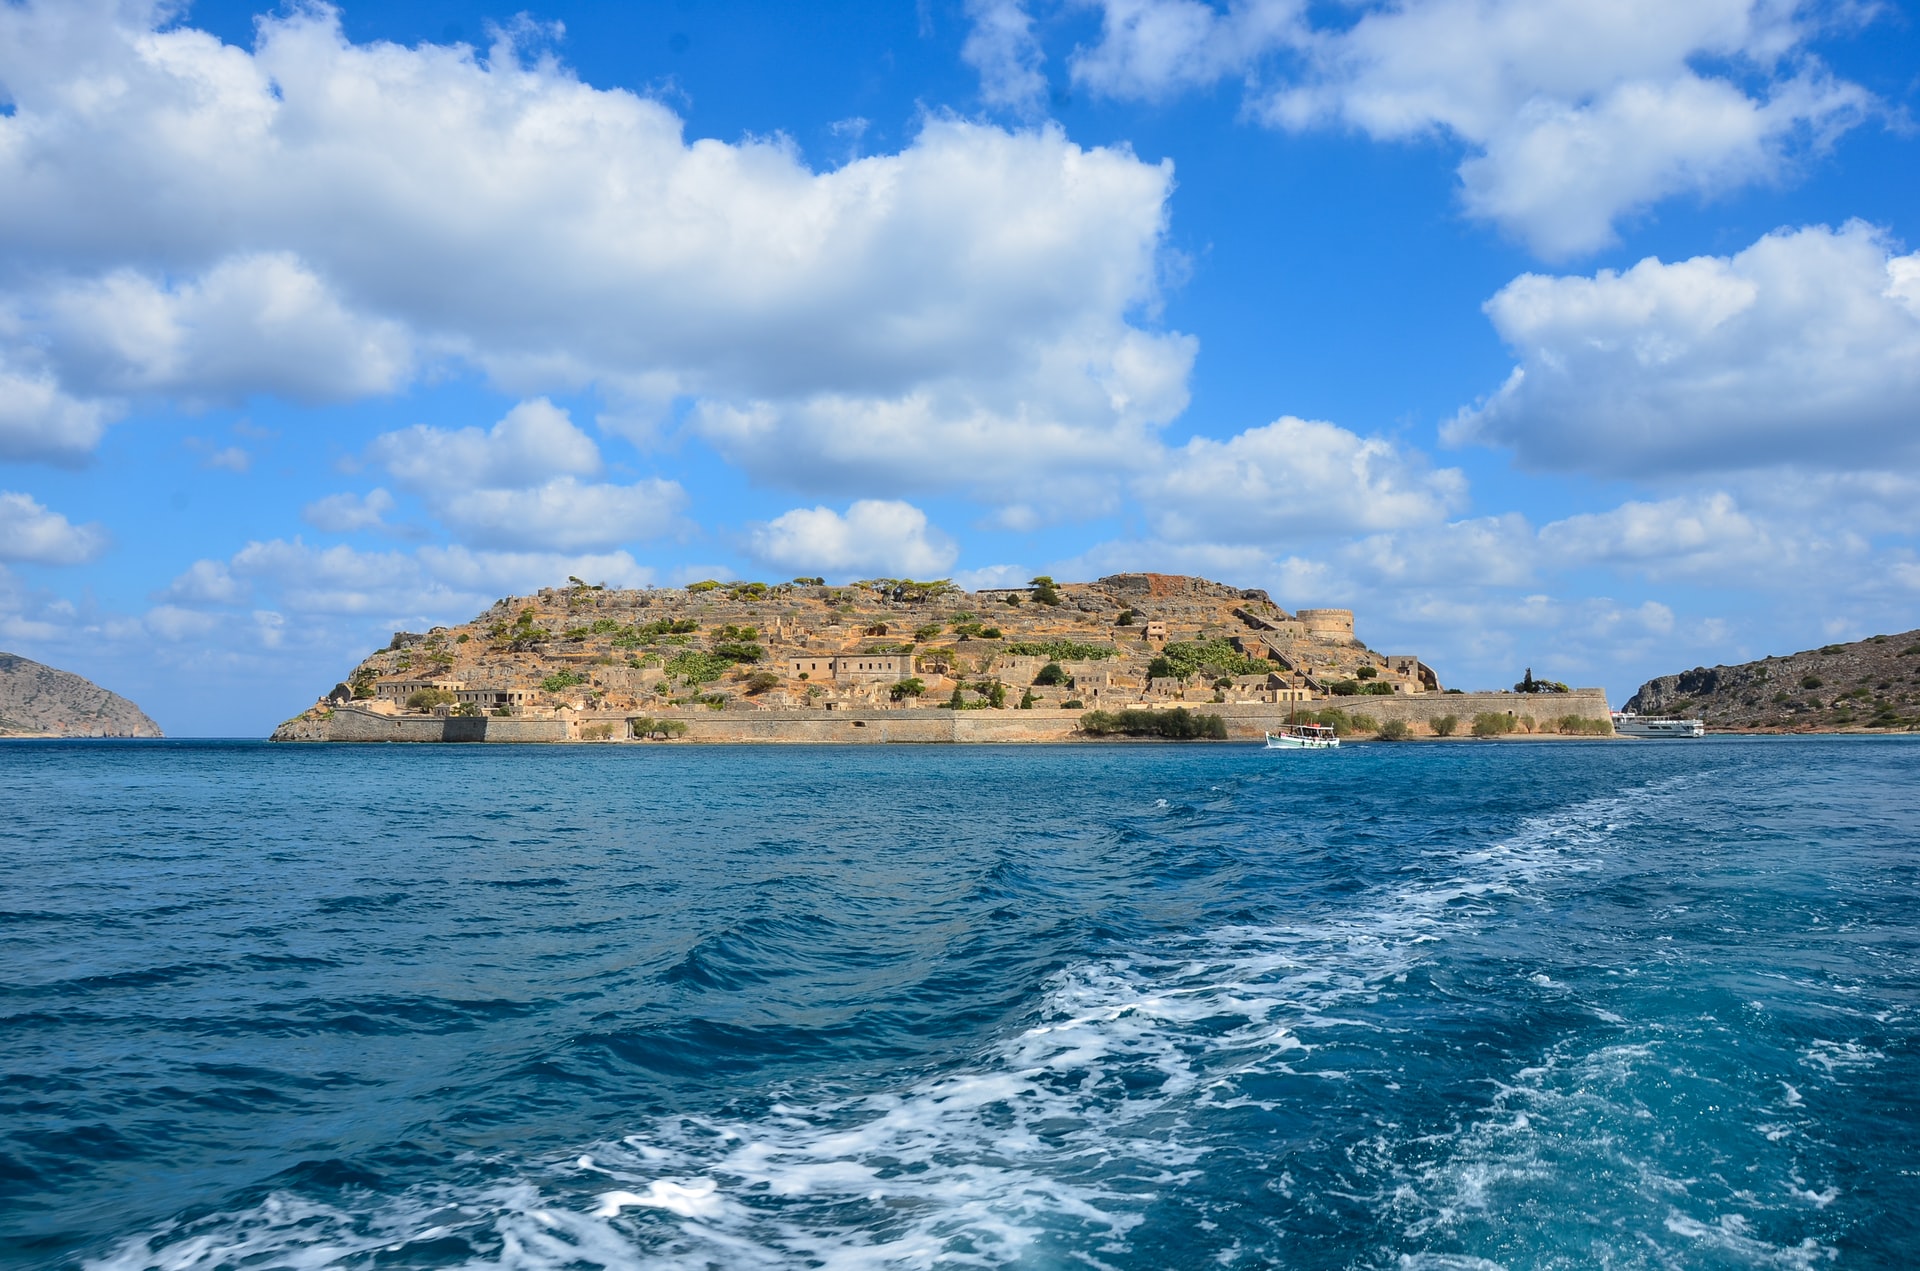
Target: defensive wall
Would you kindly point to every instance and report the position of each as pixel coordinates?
(926, 725)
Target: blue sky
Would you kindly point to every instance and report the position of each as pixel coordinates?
(1574, 335)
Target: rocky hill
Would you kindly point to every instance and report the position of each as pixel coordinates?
(39, 701)
(1867, 686)
(588, 652)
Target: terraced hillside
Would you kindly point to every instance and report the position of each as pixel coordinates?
(1870, 685)
(879, 644)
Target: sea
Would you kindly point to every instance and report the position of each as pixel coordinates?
(1420, 1007)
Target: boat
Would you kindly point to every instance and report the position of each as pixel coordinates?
(1303, 737)
(1628, 724)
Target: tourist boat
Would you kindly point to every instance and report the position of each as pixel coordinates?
(1628, 724)
(1303, 737)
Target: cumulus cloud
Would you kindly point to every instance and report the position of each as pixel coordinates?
(1574, 112)
(1293, 477)
(40, 421)
(873, 536)
(516, 485)
(1708, 538)
(1004, 50)
(318, 219)
(1803, 348)
(346, 512)
(30, 532)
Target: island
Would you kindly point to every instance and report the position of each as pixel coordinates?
(37, 700)
(1862, 686)
(897, 660)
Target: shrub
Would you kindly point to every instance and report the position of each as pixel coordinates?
(1366, 673)
(1343, 688)
(913, 686)
(1811, 681)
(1493, 724)
(996, 695)
(923, 634)
(1219, 656)
(708, 584)
(463, 638)
(1073, 705)
(576, 633)
(1531, 685)
(739, 651)
(1013, 600)
(761, 681)
(695, 667)
(1027, 699)
(1125, 619)
(647, 726)
(606, 626)
(1050, 675)
(561, 681)
(1579, 726)
(815, 581)
(428, 698)
(1160, 669)
(1062, 650)
(730, 632)
(1044, 592)
(1365, 724)
(1394, 730)
(596, 732)
(1178, 724)
(1444, 725)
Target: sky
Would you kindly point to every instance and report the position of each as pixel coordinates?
(1573, 335)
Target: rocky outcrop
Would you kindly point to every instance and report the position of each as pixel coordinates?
(40, 701)
(1868, 685)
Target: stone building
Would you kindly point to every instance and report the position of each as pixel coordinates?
(852, 668)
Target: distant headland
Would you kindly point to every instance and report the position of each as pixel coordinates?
(893, 659)
(1870, 685)
(42, 701)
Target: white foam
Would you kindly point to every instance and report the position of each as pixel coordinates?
(1052, 1145)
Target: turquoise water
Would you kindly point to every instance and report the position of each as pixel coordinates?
(1620, 1005)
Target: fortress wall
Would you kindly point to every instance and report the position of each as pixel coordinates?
(923, 725)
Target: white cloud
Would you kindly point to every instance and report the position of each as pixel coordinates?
(1293, 478)
(321, 219)
(1575, 113)
(1486, 551)
(206, 582)
(533, 443)
(516, 485)
(1803, 348)
(345, 513)
(252, 323)
(874, 536)
(993, 576)
(40, 421)
(30, 532)
(1003, 49)
(563, 515)
(1708, 538)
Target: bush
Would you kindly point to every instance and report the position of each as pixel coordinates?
(1013, 600)
(1365, 723)
(1343, 688)
(708, 584)
(739, 651)
(1027, 699)
(1219, 656)
(1160, 669)
(1366, 673)
(1125, 619)
(561, 681)
(596, 732)
(1444, 725)
(1062, 650)
(1050, 675)
(913, 686)
(1493, 724)
(1394, 730)
(694, 667)
(647, 726)
(576, 633)
(1044, 592)
(926, 633)
(731, 632)
(1074, 705)
(1579, 726)
(1531, 685)
(810, 582)
(761, 681)
(1811, 681)
(1178, 724)
(428, 698)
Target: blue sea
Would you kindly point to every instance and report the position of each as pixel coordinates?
(1463, 1006)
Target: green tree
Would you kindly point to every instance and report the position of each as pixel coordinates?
(1044, 592)
(912, 686)
(1444, 725)
(561, 681)
(428, 698)
(1050, 675)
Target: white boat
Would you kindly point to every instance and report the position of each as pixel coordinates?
(1303, 737)
(1628, 724)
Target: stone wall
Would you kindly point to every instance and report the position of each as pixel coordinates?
(926, 725)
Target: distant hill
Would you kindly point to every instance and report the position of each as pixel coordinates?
(39, 701)
(1869, 685)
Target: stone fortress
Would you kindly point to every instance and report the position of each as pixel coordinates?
(880, 660)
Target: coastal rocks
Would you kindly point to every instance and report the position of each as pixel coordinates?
(42, 701)
(1871, 684)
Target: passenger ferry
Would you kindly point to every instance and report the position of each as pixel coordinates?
(1303, 737)
(1628, 724)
